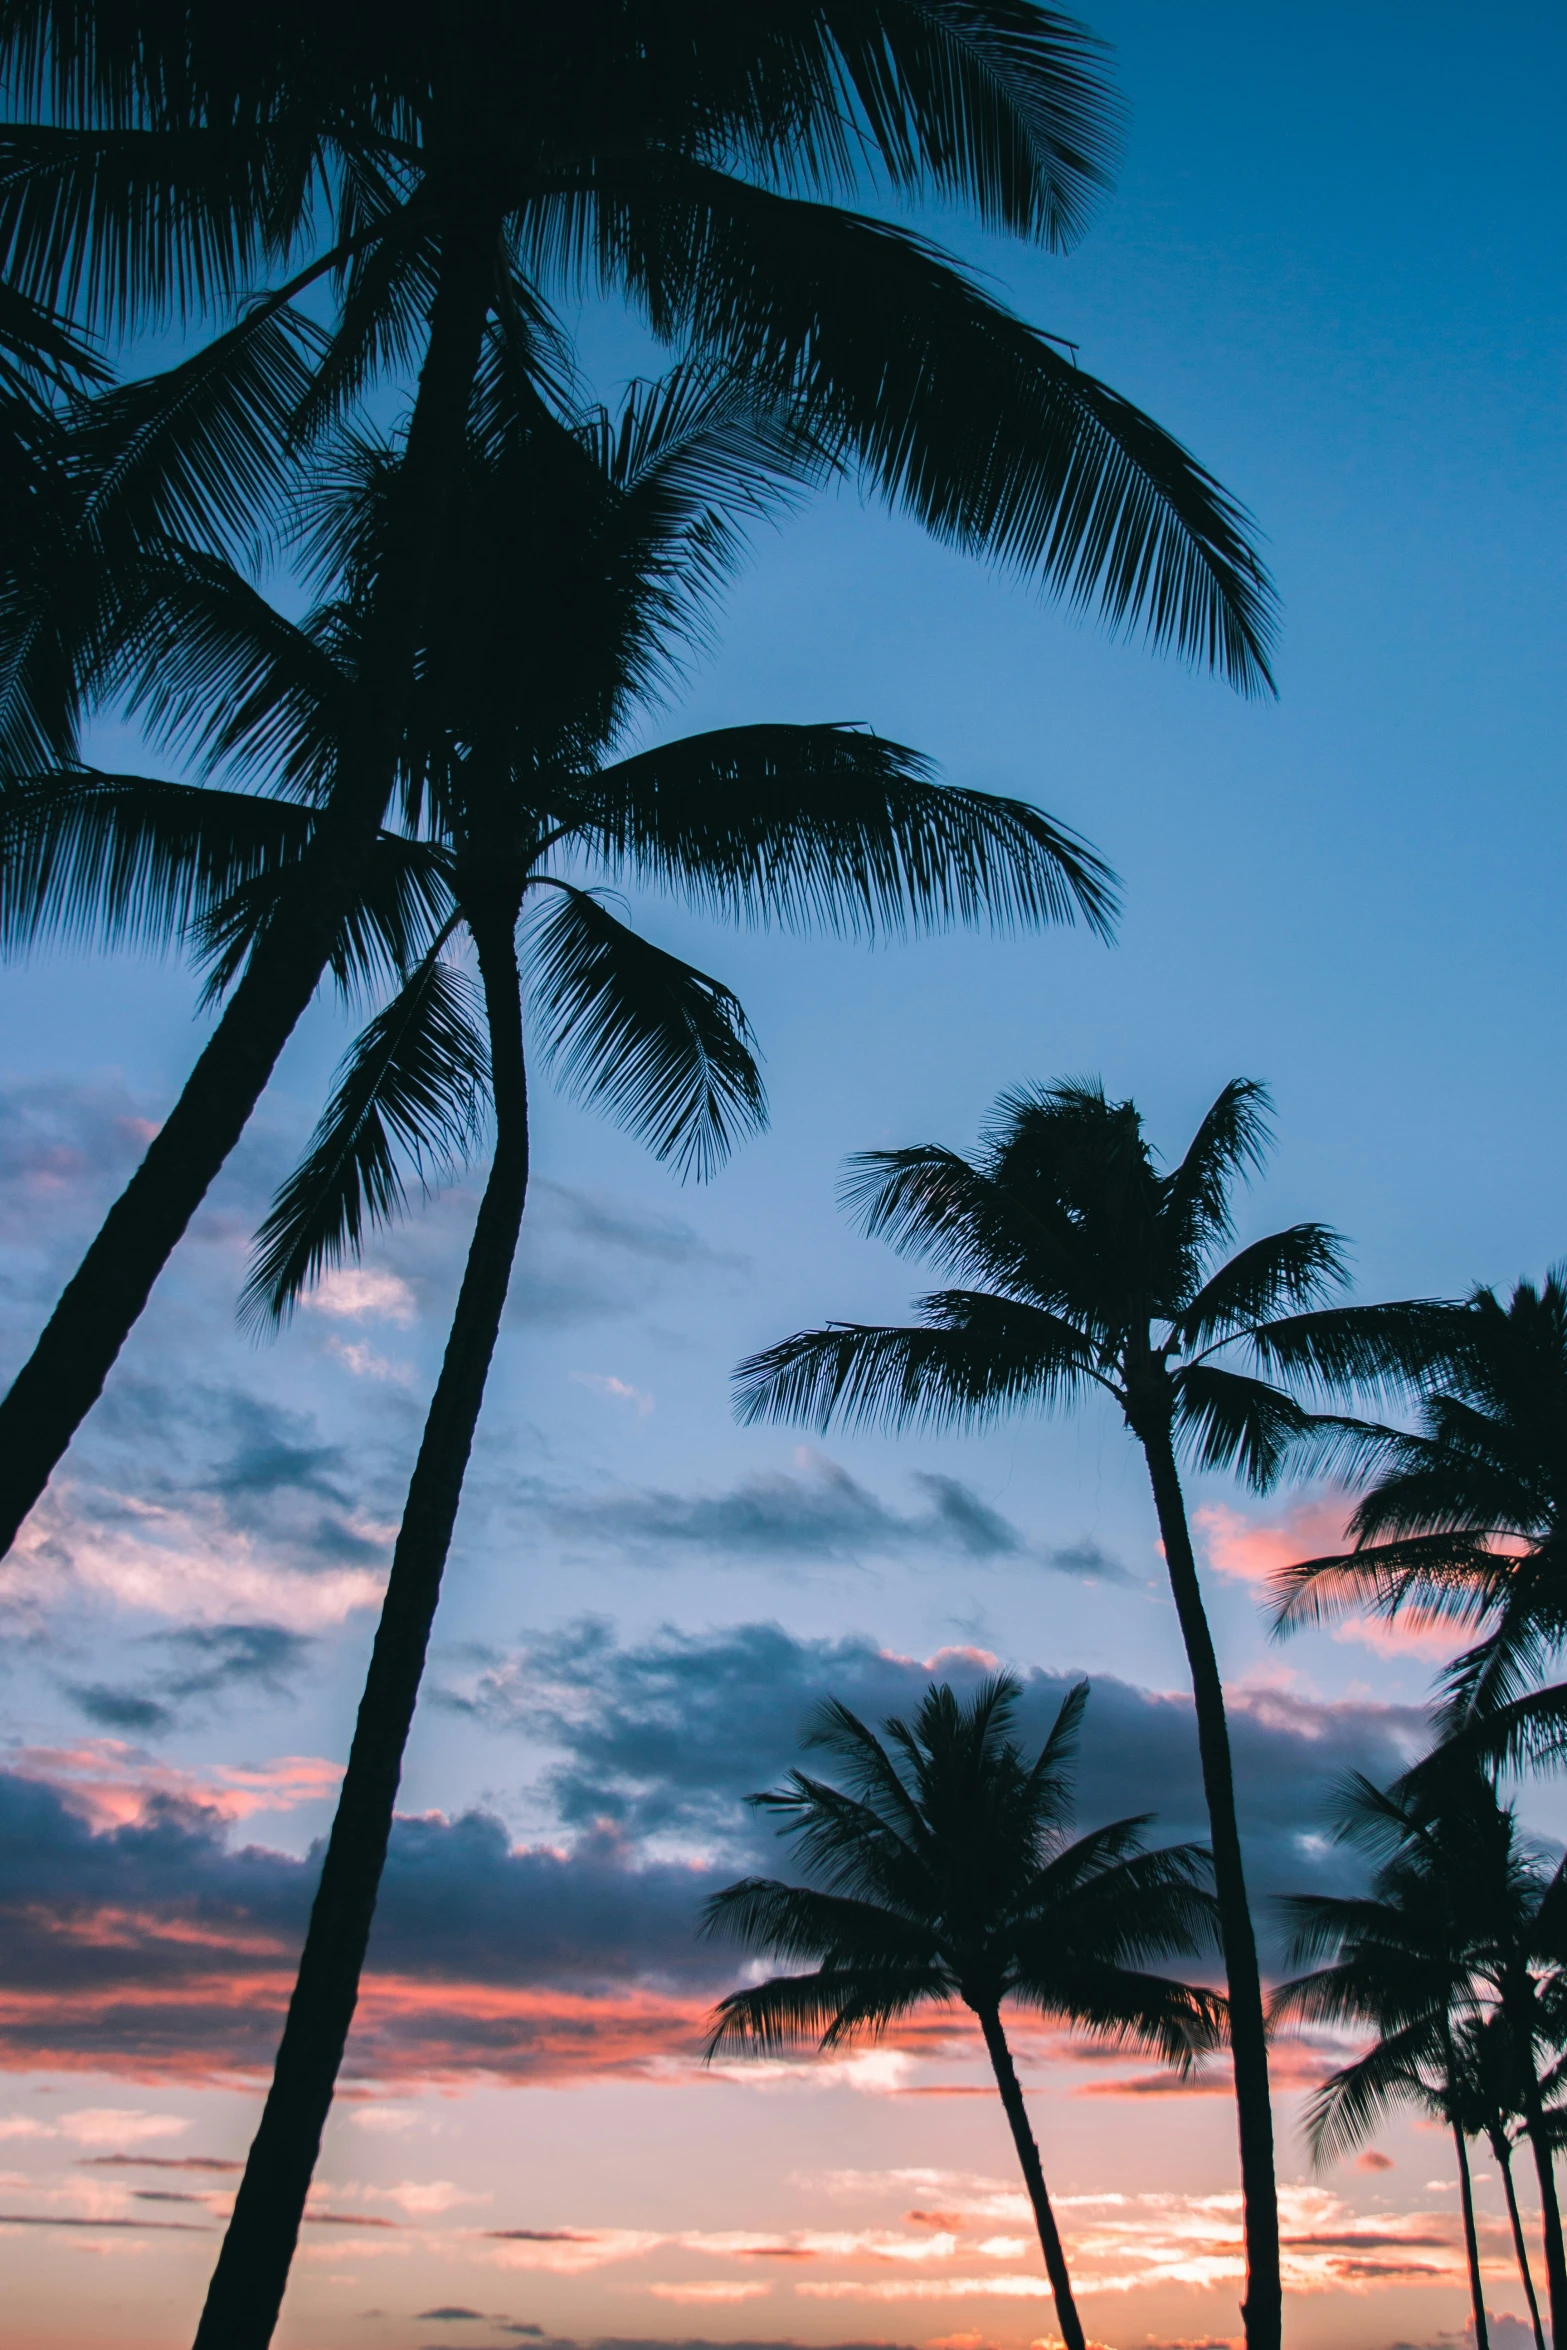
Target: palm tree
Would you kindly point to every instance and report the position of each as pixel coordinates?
(1466, 1521)
(1456, 1956)
(508, 788)
(1489, 2067)
(437, 171)
(1091, 1269)
(945, 1871)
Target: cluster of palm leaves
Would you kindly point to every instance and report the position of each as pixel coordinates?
(282, 298)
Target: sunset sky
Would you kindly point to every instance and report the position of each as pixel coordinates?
(1332, 265)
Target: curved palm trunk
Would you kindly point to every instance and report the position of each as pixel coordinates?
(63, 1378)
(1504, 2163)
(252, 2270)
(1471, 2241)
(1263, 2309)
(1034, 2177)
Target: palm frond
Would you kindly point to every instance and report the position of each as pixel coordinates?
(408, 1095)
(131, 860)
(1362, 1350)
(977, 1356)
(1230, 1422)
(1293, 1268)
(666, 1050)
(832, 827)
(951, 407)
(1231, 1143)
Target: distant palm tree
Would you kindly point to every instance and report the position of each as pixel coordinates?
(431, 173)
(1466, 1521)
(946, 1872)
(1456, 1957)
(1085, 1267)
(1488, 2063)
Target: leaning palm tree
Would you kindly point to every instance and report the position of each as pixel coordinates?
(434, 173)
(1456, 1957)
(1465, 1521)
(510, 788)
(1087, 1268)
(946, 1872)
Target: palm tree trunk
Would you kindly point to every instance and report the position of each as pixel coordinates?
(1034, 2177)
(252, 2270)
(1504, 2163)
(1550, 2209)
(63, 1378)
(1263, 2308)
(1471, 2241)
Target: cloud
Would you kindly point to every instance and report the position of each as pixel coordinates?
(222, 1507)
(362, 1293)
(585, 1256)
(203, 1660)
(135, 1934)
(613, 1390)
(664, 1737)
(820, 1514)
(58, 1142)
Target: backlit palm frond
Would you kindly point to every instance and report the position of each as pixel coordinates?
(1230, 1144)
(131, 860)
(954, 410)
(1343, 2113)
(404, 904)
(975, 1357)
(1362, 1350)
(1454, 1578)
(663, 1048)
(1287, 1269)
(829, 2009)
(408, 1097)
(833, 827)
(1227, 1421)
(1121, 2007)
(927, 1201)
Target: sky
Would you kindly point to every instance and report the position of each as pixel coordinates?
(1331, 264)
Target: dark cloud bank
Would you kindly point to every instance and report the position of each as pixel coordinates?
(163, 1946)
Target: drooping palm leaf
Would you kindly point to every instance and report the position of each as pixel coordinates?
(408, 1098)
(664, 1049)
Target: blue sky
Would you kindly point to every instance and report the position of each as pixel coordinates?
(1332, 266)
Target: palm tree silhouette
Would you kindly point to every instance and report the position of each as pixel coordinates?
(1466, 1521)
(946, 1872)
(438, 174)
(1456, 1957)
(509, 787)
(1085, 1267)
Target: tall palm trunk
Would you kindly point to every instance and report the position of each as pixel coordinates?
(1471, 2241)
(252, 2270)
(63, 1378)
(1504, 2163)
(1033, 2174)
(1262, 2310)
(1550, 2209)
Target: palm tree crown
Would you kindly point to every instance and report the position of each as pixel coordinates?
(1085, 1266)
(1456, 1956)
(1466, 1520)
(946, 1871)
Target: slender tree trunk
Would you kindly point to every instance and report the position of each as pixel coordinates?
(1033, 2175)
(1471, 2241)
(1263, 2308)
(247, 2284)
(62, 1380)
(1550, 2209)
(1504, 2163)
